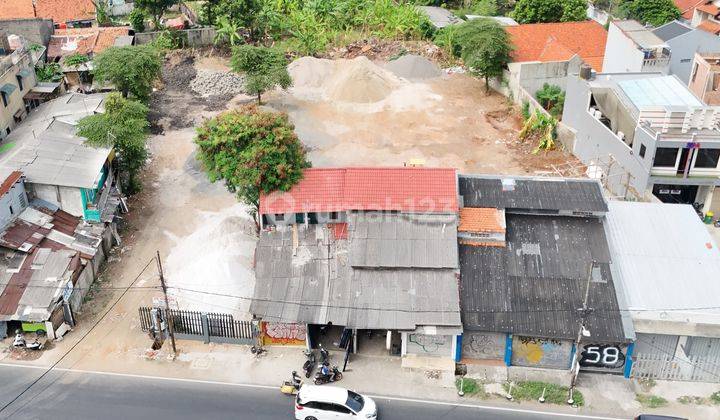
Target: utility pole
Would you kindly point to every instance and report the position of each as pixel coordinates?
(171, 327)
(584, 312)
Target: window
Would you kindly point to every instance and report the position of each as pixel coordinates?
(299, 217)
(23, 201)
(642, 150)
(355, 401)
(338, 408)
(694, 73)
(4, 98)
(20, 82)
(279, 217)
(707, 158)
(666, 157)
(333, 215)
(11, 210)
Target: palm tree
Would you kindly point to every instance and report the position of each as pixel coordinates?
(227, 31)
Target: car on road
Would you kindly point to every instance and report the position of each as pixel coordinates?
(315, 402)
(657, 417)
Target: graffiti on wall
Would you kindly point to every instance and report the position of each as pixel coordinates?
(541, 352)
(279, 333)
(602, 356)
(482, 345)
(436, 345)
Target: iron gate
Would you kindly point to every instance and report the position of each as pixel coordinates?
(193, 325)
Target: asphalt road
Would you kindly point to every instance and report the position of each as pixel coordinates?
(73, 395)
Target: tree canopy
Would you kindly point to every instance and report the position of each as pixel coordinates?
(264, 68)
(484, 46)
(540, 11)
(155, 8)
(654, 12)
(131, 69)
(124, 127)
(255, 152)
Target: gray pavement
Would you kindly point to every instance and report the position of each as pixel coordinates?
(79, 395)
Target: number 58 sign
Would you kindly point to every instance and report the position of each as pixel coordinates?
(602, 356)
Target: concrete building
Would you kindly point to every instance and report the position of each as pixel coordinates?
(667, 267)
(17, 78)
(632, 47)
(684, 42)
(647, 133)
(366, 258)
(33, 30)
(706, 16)
(520, 295)
(705, 80)
(59, 167)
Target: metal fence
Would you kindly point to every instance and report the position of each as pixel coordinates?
(666, 367)
(193, 325)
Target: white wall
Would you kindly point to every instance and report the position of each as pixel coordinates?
(685, 46)
(621, 53)
(67, 198)
(12, 198)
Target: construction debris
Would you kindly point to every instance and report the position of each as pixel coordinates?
(217, 83)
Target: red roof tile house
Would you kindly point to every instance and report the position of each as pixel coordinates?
(73, 13)
(325, 195)
(548, 52)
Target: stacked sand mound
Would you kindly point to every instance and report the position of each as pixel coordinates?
(353, 81)
(414, 67)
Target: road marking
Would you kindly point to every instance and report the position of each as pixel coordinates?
(256, 386)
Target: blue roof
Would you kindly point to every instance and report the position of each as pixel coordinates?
(659, 91)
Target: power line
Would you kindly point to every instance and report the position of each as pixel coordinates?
(4, 407)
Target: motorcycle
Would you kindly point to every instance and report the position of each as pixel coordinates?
(309, 363)
(333, 376)
(292, 386)
(19, 339)
(324, 355)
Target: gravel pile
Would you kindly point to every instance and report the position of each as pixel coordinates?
(178, 72)
(215, 83)
(414, 67)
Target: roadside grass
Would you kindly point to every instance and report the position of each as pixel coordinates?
(651, 401)
(691, 399)
(471, 387)
(532, 391)
(715, 397)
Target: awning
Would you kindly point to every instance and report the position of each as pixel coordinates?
(8, 88)
(25, 73)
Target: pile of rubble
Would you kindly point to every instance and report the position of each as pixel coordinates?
(382, 49)
(217, 83)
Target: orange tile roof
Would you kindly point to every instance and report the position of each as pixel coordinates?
(16, 9)
(709, 26)
(687, 7)
(405, 189)
(62, 11)
(88, 40)
(481, 219)
(708, 8)
(547, 42)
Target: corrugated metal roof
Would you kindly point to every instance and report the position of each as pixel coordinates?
(315, 284)
(658, 91)
(666, 259)
(382, 240)
(672, 30)
(535, 284)
(406, 189)
(45, 148)
(532, 194)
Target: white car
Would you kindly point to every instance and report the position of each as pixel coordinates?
(315, 402)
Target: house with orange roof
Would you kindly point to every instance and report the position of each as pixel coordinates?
(687, 7)
(64, 13)
(548, 52)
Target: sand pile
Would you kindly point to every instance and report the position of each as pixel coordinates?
(353, 81)
(414, 67)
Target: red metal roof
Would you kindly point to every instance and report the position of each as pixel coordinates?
(406, 189)
(9, 182)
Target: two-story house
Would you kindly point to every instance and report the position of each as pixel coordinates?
(17, 78)
(648, 133)
(631, 47)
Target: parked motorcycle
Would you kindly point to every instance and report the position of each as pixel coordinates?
(309, 363)
(292, 386)
(324, 355)
(19, 339)
(333, 376)
(20, 342)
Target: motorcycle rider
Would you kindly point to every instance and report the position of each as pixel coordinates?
(325, 371)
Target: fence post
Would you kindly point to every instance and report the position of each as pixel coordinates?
(205, 327)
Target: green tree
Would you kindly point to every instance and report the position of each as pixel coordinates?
(75, 60)
(654, 12)
(552, 98)
(102, 15)
(131, 69)
(264, 68)
(124, 127)
(254, 152)
(539, 11)
(484, 46)
(155, 8)
(49, 72)
(241, 12)
(137, 20)
(227, 31)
